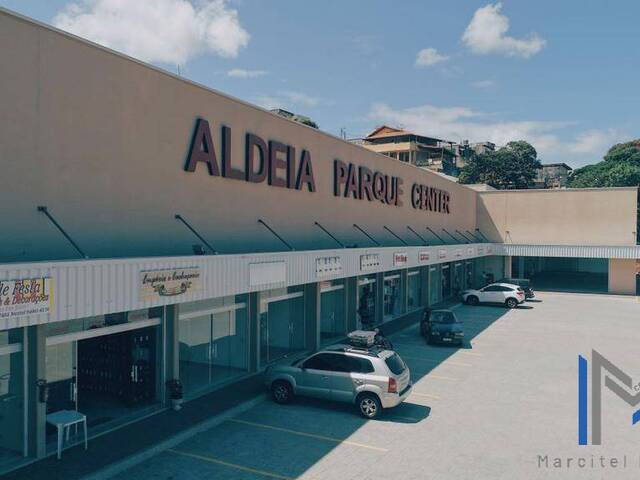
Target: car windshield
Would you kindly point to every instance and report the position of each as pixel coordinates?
(395, 364)
(443, 317)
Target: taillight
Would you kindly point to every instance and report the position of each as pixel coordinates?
(393, 385)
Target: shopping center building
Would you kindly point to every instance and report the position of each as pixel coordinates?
(157, 230)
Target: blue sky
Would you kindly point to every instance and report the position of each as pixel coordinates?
(562, 75)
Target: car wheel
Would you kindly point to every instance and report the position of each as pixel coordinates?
(511, 303)
(369, 405)
(281, 391)
(472, 300)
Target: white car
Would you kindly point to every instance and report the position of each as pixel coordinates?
(503, 293)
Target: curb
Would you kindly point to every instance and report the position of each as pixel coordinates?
(136, 459)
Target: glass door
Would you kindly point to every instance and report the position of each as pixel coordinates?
(62, 376)
(12, 411)
(282, 329)
(195, 353)
(434, 286)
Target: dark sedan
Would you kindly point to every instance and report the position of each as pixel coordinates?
(442, 326)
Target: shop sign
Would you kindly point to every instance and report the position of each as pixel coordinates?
(370, 261)
(442, 253)
(266, 273)
(423, 256)
(470, 251)
(458, 253)
(489, 249)
(155, 284)
(326, 266)
(480, 250)
(33, 296)
(399, 259)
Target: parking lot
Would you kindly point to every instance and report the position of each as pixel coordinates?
(484, 411)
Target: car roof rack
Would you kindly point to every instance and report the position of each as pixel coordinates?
(372, 351)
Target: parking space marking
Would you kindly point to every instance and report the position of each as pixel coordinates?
(216, 461)
(438, 377)
(425, 395)
(306, 434)
(473, 354)
(401, 417)
(438, 362)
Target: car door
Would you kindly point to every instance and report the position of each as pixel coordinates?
(314, 379)
(491, 294)
(349, 375)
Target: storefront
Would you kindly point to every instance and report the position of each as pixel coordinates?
(107, 367)
(333, 320)
(414, 290)
(435, 285)
(213, 343)
(282, 325)
(393, 296)
(367, 302)
(12, 398)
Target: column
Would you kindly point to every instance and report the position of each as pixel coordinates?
(404, 287)
(379, 298)
(424, 282)
(34, 347)
(172, 345)
(351, 299)
(507, 266)
(312, 315)
(253, 314)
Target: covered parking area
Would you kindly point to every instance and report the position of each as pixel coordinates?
(571, 268)
(563, 273)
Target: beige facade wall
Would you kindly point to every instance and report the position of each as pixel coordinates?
(622, 276)
(559, 217)
(102, 141)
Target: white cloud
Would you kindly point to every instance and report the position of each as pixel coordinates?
(549, 138)
(593, 141)
(487, 33)
(288, 99)
(483, 84)
(429, 56)
(242, 73)
(166, 31)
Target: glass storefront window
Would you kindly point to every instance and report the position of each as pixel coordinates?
(414, 287)
(393, 300)
(367, 301)
(446, 281)
(12, 409)
(469, 275)
(282, 323)
(107, 367)
(332, 311)
(213, 339)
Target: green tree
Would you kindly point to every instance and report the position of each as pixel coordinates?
(620, 168)
(513, 166)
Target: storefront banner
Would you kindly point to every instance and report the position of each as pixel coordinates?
(423, 256)
(442, 253)
(489, 249)
(155, 284)
(369, 261)
(458, 253)
(326, 266)
(18, 298)
(470, 251)
(480, 250)
(399, 259)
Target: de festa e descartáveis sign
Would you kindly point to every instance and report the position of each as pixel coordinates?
(33, 296)
(277, 164)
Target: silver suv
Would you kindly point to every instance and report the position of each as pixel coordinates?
(371, 378)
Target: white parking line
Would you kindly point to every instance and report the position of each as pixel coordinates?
(445, 361)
